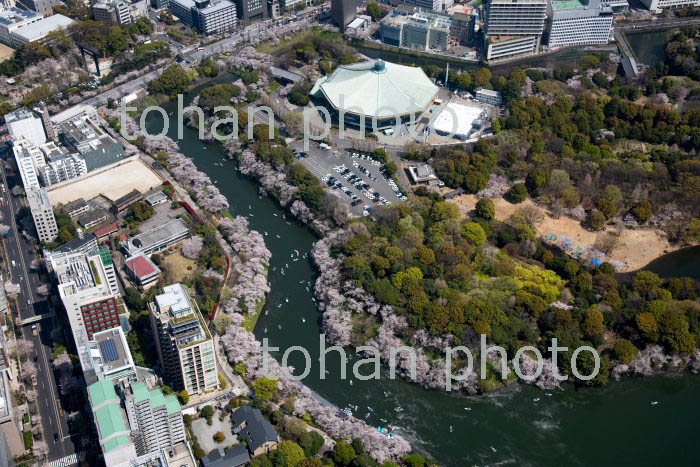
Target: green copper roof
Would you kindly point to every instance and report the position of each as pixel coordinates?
(140, 392)
(157, 399)
(172, 404)
(122, 440)
(101, 392)
(110, 420)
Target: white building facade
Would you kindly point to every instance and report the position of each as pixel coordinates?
(576, 23)
(70, 167)
(24, 124)
(514, 27)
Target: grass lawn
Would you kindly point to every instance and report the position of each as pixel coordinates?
(250, 320)
(177, 265)
(28, 439)
(276, 49)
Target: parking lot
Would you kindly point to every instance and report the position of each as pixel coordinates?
(355, 178)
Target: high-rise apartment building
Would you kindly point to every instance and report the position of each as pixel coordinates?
(574, 22)
(343, 12)
(185, 345)
(63, 168)
(514, 27)
(114, 12)
(112, 428)
(28, 157)
(42, 213)
(87, 284)
(155, 419)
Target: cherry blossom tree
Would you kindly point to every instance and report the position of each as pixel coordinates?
(12, 290)
(192, 247)
(43, 290)
(40, 449)
(24, 347)
(29, 370)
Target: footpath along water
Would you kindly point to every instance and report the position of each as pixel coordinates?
(616, 425)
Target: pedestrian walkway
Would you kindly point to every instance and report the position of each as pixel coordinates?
(67, 461)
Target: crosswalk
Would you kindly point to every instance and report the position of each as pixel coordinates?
(67, 461)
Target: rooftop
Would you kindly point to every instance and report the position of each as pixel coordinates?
(234, 457)
(142, 266)
(145, 240)
(380, 89)
(257, 431)
(39, 29)
(19, 114)
(15, 15)
(102, 392)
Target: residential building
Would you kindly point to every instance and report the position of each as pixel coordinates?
(158, 238)
(75, 208)
(112, 430)
(93, 218)
(185, 346)
(122, 204)
(38, 30)
(343, 12)
(252, 10)
(42, 213)
(251, 427)
(206, 16)
(63, 168)
(514, 27)
(115, 12)
(659, 5)
(28, 158)
(574, 22)
(156, 420)
(44, 7)
(83, 135)
(142, 270)
(289, 5)
(24, 124)
(488, 96)
(107, 357)
(87, 285)
(462, 27)
(12, 19)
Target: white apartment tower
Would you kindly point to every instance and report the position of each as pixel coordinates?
(156, 420)
(576, 23)
(42, 212)
(185, 345)
(514, 27)
(63, 169)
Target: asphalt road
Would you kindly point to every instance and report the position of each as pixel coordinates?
(22, 253)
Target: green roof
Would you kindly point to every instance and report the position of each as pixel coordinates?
(110, 420)
(172, 404)
(567, 4)
(140, 392)
(122, 440)
(101, 392)
(157, 399)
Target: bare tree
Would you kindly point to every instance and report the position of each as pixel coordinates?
(607, 243)
(530, 215)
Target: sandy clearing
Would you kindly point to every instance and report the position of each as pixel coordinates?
(638, 247)
(113, 182)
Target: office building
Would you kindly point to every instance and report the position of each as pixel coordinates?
(343, 12)
(24, 124)
(273, 9)
(619, 6)
(206, 16)
(43, 7)
(63, 168)
(87, 285)
(430, 5)
(418, 31)
(252, 10)
(42, 213)
(12, 19)
(83, 243)
(290, 5)
(185, 346)
(576, 23)
(115, 12)
(488, 96)
(83, 135)
(514, 27)
(462, 27)
(75, 208)
(155, 419)
(158, 238)
(38, 30)
(120, 205)
(93, 218)
(112, 429)
(107, 357)
(659, 5)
